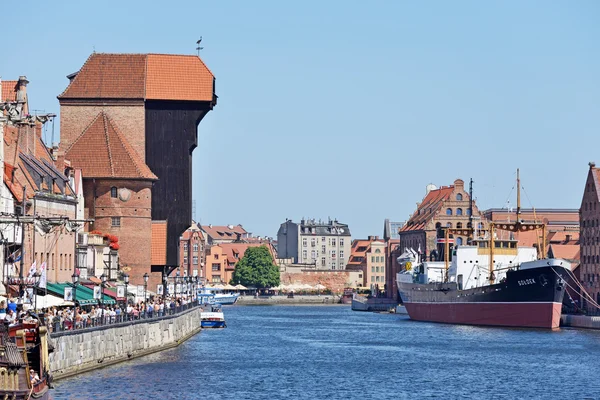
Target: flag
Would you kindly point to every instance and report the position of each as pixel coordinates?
(43, 277)
(32, 269)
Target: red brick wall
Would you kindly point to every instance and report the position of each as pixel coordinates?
(135, 231)
(336, 281)
(129, 119)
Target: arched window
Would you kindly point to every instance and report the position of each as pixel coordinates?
(449, 225)
(459, 225)
(459, 241)
(468, 211)
(113, 192)
(448, 211)
(459, 211)
(459, 197)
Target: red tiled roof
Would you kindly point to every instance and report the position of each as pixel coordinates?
(427, 209)
(230, 249)
(178, 77)
(569, 252)
(9, 91)
(561, 237)
(220, 232)
(158, 248)
(102, 152)
(142, 76)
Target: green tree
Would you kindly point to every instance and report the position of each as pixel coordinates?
(256, 269)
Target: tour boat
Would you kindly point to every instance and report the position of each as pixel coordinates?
(213, 317)
(487, 282)
(221, 298)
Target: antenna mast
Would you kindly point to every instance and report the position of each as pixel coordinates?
(198, 48)
(518, 196)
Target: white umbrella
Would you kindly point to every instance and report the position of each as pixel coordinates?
(240, 287)
(320, 287)
(219, 286)
(229, 287)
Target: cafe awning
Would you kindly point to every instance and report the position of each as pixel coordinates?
(84, 295)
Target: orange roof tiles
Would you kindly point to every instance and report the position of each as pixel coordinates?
(427, 209)
(178, 77)
(113, 155)
(142, 76)
(158, 248)
(9, 91)
(569, 252)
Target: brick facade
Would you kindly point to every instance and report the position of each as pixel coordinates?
(128, 116)
(192, 254)
(590, 236)
(132, 206)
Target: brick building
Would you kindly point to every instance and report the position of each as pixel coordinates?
(590, 236)
(144, 109)
(369, 256)
(33, 181)
(447, 206)
(192, 251)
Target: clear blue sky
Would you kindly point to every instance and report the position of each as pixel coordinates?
(349, 108)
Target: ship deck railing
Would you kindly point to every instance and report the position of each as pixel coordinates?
(62, 325)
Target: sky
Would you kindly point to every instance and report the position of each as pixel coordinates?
(348, 109)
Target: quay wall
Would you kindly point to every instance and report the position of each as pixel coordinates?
(580, 321)
(284, 300)
(81, 351)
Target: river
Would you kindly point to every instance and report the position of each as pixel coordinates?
(331, 352)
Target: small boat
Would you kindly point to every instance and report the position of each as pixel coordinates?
(213, 317)
(347, 296)
(220, 298)
(362, 303)
(24, 362)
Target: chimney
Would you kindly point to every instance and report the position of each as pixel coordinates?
(592, 164)
(568, 239)
(22, 94)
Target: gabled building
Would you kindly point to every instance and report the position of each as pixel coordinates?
(216, 234)
(369, 256)
(151, 106)
(193, 251)
(448, 206)
(590, 236)
(323, 244)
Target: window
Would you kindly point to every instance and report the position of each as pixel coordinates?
(459, 241)
(304, 242)
(373, 270)
(216, 278)
(115, 221)
(333, 265)
(333, 242)
(323, 261)
(341, 242)
(304, 255)
(323, 249)
(377, 269)
(185, 246)
(459, 211)
(448, 211)
(195, 247)
(332, 253)
(459, 197)
(376, 279)
(459, 225)
(216, 267)
(313, 242)
(372, 259)
(449, 225)
(377, 260)
(313, 254)
(61, 262)
(323, 239)
(342, 254)
(216, 256)
(377, 251)
(113, 192)
(468, 211)
(372, 279)
(195, 260)
(185, 260)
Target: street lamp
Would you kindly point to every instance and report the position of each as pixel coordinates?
(187, 289)
(126, 280)
(197, 279)
(75, 280)
(146, 276)
(176, 283)
(165, 282)
(103, 278)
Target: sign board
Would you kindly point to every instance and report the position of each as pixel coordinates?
(159, 290)
(68, 293)
(97, 292)
(120, 291)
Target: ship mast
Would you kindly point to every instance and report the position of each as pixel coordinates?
(470, 237)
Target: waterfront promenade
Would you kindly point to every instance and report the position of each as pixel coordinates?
(285, 300)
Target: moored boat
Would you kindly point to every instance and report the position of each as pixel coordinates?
(347, 296)
(490, 281)
(213, 317)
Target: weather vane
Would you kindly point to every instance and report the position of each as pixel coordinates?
(198, 48)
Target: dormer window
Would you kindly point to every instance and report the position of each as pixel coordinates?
(459, 197)
(113, 192)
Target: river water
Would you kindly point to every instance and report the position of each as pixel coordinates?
(331, 352)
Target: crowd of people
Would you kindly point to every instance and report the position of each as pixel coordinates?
(79, 317)
(84, 316)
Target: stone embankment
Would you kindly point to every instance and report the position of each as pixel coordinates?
(580, 321)
(284, 300)
(87, 349)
